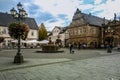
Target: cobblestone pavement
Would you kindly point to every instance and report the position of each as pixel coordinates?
(103, 66)
(79, 54)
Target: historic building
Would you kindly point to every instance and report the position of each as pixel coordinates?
(111, 33)
(89, 30)
(6, 19)
(86, 29)
(61, 33)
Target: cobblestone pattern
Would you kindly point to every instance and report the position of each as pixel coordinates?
(99, 68)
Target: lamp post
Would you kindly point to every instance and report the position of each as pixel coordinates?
(20, 15)
(110, 39)
(110, 31)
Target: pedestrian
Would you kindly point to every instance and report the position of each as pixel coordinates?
(71, 47)
(84, 46)
(109, 49)
(79, 45)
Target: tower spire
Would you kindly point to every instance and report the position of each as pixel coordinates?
(114, 16)
(77, 11)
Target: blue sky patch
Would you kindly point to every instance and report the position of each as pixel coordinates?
(53, 20)
(88, 1)
(97, 12)
(46, 16)
(62, 16)
(33, 9)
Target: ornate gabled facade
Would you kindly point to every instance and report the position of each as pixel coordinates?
(6, 19)
(86, 29)
(112, 33)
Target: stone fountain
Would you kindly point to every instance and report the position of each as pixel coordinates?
(50, 47)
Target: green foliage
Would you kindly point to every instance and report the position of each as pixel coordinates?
(42, 33)
(1, 39)
(17, 30)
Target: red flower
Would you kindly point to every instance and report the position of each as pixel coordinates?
(17, 30)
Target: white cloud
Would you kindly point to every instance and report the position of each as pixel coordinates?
(97, 1)
(108, 8)
(50, 26)
(68, 7)
(85, 6)
(56, 7)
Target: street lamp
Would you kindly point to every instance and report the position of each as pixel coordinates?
(110, 39)
(20, 15)
(110, 32)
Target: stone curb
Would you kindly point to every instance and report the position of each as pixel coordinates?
(34, 65)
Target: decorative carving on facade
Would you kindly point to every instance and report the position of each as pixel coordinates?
(85, 29)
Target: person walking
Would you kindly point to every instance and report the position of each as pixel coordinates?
(79, 45)
(71, 47)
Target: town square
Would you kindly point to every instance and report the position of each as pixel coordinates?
(59, 40)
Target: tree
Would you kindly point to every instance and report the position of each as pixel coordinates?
(18, 31)
(42, 33)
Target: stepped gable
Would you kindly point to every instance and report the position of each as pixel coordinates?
(89, 19)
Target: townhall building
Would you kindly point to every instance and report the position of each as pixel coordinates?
(93, 31)
(6, 19)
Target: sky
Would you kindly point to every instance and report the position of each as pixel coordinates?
(60, 12)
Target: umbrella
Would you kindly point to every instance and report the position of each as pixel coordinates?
(16, 41)
(32, 41)
(44, 42)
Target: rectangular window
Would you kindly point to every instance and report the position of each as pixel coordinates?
(79, 31)
(84, 30)
(94, 31)
(4, 31)
(75, 31)
(32, 33)
(72, 32)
